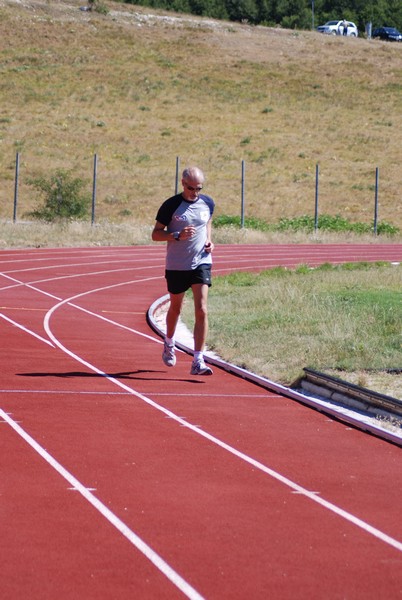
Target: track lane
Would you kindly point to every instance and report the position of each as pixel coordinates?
(216, 413)
(66, 538)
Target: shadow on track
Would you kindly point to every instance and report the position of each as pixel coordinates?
(131, 375)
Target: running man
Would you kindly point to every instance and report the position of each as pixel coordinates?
(184, 222)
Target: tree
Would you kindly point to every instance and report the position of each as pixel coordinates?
(242, 10)
(289, 13)
(293, 14)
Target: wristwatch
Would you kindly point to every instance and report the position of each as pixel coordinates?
(176, 235)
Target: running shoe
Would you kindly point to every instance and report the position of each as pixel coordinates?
(200, 368)
(169, 355)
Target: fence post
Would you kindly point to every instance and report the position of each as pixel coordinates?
(94, 188)
(243, 175)
(176, 187)
(17, 173)
(316, 199)
(376, 201)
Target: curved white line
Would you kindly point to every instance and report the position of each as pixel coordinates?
(35, 289)
(260, 466)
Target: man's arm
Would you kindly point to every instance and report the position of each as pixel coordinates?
(208, 244)
(159, 233)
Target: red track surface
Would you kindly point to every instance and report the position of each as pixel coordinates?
(121, 478)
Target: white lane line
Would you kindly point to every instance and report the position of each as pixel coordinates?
(207, 395)
(132, 537)
(22, 308)
(91, 273)
(132, 254)
(73, 276)
(36, 335)
(64, 392)
(102, 318)
(29, 331)
(151, 393)
(32, 287)
(260, 466)
(81, 264)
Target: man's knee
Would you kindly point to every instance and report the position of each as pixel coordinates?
(201, 312)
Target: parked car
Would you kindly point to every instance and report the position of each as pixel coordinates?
(387, 33)
(336, 28)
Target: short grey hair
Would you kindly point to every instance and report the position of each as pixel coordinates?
(193, 173)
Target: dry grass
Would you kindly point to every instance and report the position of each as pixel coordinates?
(41, 235)
(345, 323)
(140, 90)
(132, 232)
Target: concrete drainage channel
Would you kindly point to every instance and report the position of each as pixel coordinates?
(384, 410)
(369, 411)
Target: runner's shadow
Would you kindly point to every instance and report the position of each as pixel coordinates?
(130, 375)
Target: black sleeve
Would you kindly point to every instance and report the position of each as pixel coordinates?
(167, 209)
(210, 203)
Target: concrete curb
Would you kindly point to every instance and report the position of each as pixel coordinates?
(156, 317)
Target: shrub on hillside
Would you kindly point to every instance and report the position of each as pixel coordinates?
(64, 198)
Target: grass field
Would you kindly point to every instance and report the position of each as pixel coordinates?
(141, 89)
(345, 321)
(345, 318)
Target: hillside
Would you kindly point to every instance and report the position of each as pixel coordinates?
(141, 89)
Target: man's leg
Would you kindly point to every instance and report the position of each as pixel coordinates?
(173, 314)
(200, 294)
(169, 354)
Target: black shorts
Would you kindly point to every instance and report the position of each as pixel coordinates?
(181, 281)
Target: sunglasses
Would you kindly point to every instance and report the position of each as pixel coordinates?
(193, 189)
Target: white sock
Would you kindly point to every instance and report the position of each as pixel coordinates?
(169, 341)
(198, 356)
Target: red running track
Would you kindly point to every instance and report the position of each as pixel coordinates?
(121, 478)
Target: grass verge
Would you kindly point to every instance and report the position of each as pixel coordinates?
(40, 234)
(344, 320)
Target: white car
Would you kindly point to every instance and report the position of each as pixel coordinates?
(337, 27)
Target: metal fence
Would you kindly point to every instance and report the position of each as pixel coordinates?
(177, 179)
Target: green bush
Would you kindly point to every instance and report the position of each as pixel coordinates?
(306, 223)
(249, 222)
(333, 223)
(63, 197)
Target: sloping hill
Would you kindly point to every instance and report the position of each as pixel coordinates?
(141, 89)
